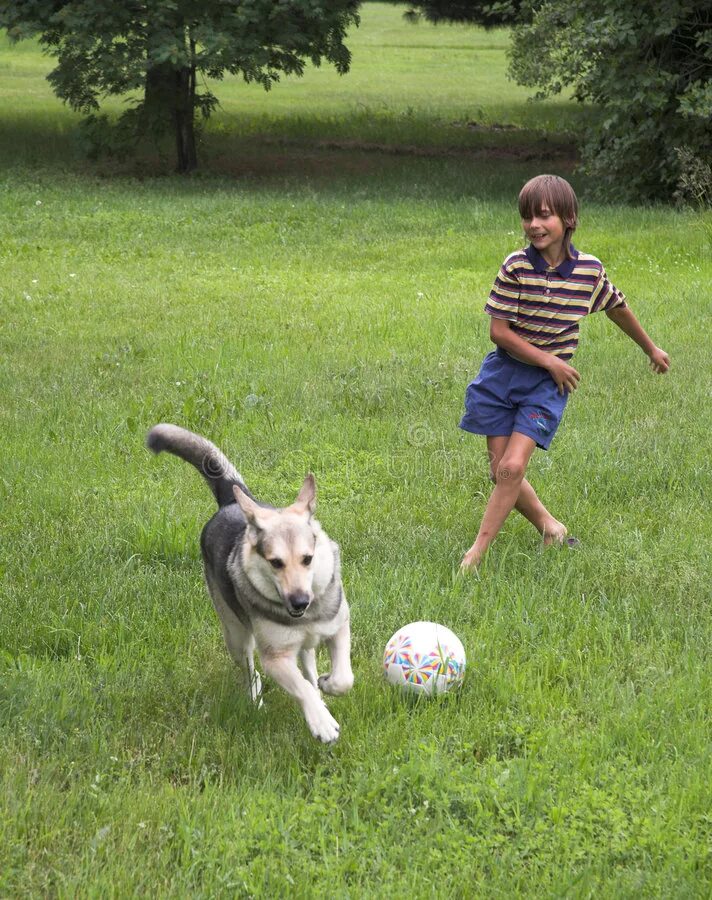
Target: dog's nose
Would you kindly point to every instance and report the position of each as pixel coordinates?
(298, 602)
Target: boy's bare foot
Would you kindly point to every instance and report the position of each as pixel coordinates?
(554, 534)
(471, 560)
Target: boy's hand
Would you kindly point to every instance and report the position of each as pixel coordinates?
(565, 376)
(659, 361)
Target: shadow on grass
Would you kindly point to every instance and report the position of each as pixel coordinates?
(489, 162)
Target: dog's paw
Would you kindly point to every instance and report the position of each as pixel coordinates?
(323, 725)
(330, 684)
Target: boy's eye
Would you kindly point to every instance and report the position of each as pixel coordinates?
(306, 560)
(276, 563)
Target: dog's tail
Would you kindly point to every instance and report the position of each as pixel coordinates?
(212, 464)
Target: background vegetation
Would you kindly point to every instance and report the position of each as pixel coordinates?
(164, 51)
(315, 303)
(646, 65)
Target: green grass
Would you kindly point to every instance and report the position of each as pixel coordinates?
(312, 304)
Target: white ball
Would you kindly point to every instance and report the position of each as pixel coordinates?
(424, 658)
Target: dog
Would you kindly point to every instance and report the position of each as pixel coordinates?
(275, 581)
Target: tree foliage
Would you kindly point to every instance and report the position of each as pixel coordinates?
(647, 64)
(490, 15)
(113, 47)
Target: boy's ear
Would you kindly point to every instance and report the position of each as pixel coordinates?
(306, 498)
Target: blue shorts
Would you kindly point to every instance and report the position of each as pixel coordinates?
(508, 396)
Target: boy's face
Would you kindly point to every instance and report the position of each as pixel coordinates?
(545, 231)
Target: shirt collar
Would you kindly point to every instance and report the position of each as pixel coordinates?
(564, 268)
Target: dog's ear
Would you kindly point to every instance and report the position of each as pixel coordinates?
(306, 498)
(255, 514)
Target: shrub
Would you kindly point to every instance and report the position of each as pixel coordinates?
(648, 64)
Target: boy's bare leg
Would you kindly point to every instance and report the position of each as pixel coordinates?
(528, 504)
(509, 476)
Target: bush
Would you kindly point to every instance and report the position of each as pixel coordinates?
(647, 64)
(694, 186)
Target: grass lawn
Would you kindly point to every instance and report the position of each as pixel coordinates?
(312, 300)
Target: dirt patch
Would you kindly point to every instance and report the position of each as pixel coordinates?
(539, 150)
(494, 127)
(332, 159)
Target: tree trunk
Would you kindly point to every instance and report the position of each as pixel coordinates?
(184, 119)
(169, 105)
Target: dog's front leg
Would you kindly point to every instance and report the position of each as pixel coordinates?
(307, 663)
(283, 668)
(341, 678)
(239, 641)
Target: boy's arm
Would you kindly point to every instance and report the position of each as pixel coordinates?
(565, 376)
(625, 319)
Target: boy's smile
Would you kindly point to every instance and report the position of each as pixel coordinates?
(546, 233)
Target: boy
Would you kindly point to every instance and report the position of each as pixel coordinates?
(519, 395)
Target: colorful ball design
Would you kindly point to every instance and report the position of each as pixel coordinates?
(424, 658)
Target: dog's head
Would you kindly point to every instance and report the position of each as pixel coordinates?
(281, 545)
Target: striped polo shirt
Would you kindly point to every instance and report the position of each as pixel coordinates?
(546, 303)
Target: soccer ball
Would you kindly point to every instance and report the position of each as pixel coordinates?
(424, 658)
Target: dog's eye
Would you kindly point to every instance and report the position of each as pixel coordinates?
(276, 563)
(306, 560)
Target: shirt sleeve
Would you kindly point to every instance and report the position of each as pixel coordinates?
(503, 301)
(606, 296)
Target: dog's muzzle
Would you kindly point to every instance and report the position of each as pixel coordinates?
(297, 603)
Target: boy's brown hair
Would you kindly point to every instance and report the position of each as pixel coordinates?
(557, 195)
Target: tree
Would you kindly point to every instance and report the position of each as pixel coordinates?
(490, 15)
(109, 47)
(647, 64)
